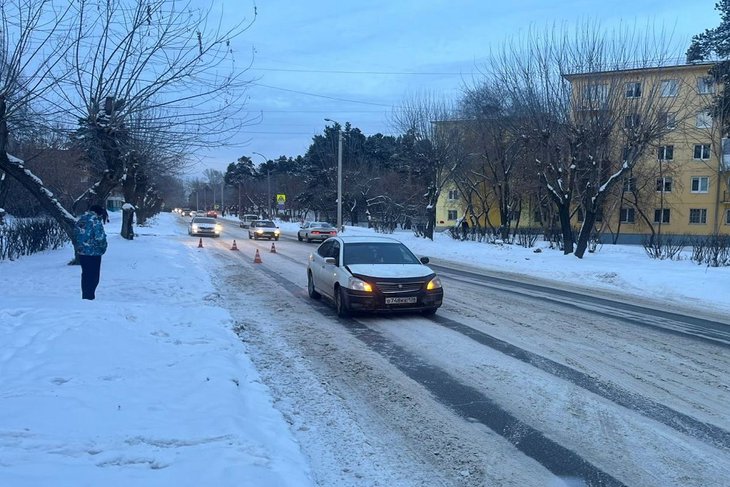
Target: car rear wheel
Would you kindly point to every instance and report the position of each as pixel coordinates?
(299, 237)
(310, 287)
(341, 307)
(308, 239)
(429, 311)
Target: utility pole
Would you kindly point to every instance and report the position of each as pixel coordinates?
(339, 173)
(268, 177)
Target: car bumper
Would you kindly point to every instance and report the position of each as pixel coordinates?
(362, 301)
(206, 233)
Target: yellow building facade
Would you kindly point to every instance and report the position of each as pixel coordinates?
(680, 185)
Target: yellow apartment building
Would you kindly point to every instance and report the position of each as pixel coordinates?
(681, 183)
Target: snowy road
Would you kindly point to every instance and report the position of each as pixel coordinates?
(499, 388)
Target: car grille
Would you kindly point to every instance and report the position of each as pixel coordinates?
(399, 286)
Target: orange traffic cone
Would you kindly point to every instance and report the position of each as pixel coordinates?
(257, 257)
(233, 247)
(200, 243)
(273, 248)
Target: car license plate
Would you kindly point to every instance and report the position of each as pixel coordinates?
(406, 300)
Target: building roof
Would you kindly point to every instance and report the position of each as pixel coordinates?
(643, 69)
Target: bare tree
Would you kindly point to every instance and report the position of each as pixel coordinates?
(493, 133)
(159, 64)
(131, 67)
(433, 147)
(34, 37)
(586, 132)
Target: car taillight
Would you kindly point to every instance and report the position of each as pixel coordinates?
(315, 232)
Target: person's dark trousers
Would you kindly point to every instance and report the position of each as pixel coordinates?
(90, 270)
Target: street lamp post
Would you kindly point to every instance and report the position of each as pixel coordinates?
(268, 184)
(339, 173)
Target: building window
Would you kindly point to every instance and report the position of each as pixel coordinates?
(702, 152)
(705, 85)
(629, 185)
(453, 194)
(670, 87)
(727, 217)
(703, 120)
(664, 185)
(628, 215)
(452, 215)
(595, 95)
(700, 184)
(633, 89)
(698, 216)
(661, 215)
(668, 120)
(579, 215)
(665, 153)
(632, 121)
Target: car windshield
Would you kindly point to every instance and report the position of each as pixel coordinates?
(321, 225)
(204, 220)
(378, 253)
(265, 224)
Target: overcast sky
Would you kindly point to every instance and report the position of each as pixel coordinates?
(354, 61)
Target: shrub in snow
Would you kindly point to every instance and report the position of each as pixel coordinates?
(26, 236)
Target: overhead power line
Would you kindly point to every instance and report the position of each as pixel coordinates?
(334, 71)
(322, 96)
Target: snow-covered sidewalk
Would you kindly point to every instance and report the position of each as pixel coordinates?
(148, 385)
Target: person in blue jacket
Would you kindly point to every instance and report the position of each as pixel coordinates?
(90, 245)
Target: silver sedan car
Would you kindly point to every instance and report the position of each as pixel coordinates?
(319, 231)
(372, 274)
(203, 225)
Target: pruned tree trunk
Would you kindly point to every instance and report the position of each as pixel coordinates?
(127, 222)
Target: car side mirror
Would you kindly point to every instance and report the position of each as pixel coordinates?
(424, 260)
(330, 260)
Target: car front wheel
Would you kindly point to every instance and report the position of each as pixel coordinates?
(299, 237)
(310, 287)
(341, 307)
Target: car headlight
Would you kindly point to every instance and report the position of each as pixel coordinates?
(195, 228)
(259, 230)
(359, 285)
(218, 227)
(434, 283)
(276, 232)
